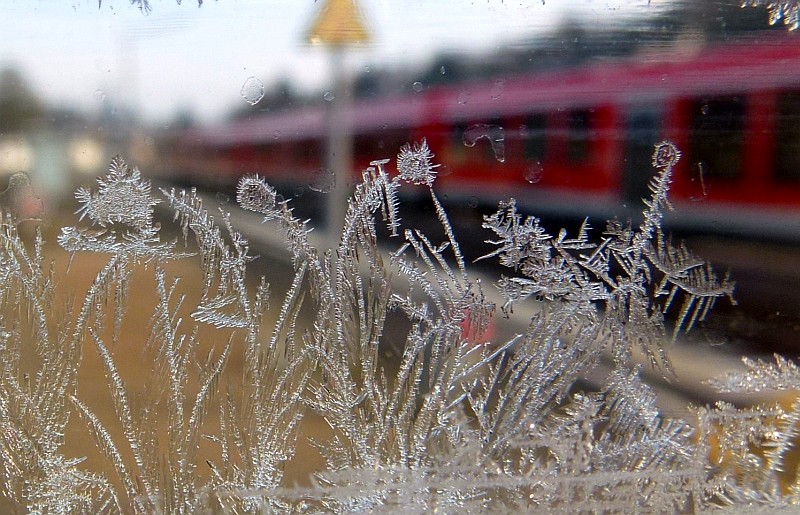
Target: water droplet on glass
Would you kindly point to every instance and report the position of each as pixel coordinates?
(704, 110)
(493, 133)
(417, 87)
(328, 96)
(298, 191)
(276, 135)
(473, 202)
(498, 88)
(252, 90)
(366, 69)
(463, 97)
(533, 172)
(222, 198)
(442, 70)
(323, 180)
(99, 95)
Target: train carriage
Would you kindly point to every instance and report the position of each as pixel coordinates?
(571, 140)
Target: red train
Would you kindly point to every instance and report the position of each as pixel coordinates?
(576, 140)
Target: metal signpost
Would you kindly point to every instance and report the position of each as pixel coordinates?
(337, 26)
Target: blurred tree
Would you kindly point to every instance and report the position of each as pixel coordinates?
(367, 84)
(715, 20)
(184, 118)
(447, 68)
(282, 96)
(19, 106)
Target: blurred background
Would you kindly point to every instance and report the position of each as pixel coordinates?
(558, 104)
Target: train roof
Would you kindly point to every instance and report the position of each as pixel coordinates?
(768, 62)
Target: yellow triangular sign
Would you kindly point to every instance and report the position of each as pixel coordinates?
(339, 23)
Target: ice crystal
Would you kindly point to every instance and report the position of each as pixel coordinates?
(256, 195)
(581, 276)
(780, 375)
(36, 475)
(762, 439)
(414, 163)
(445, 424)
(144, 5)
(123, 206)
(122, 197)
(787, 11)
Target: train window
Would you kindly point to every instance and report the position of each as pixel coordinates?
(787, 137)
(570, 136)
(716, 136)
(307, 151)
(578, 136)
(389, 140)
(642, 128)
(456, 152)
(534, 136)
(364, 143)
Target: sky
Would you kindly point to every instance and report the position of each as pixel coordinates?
(189, 58)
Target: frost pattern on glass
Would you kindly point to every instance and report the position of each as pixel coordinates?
(578, 274)
(449, 425)
(787, 11)
(414, 163)
(145, 6)
(37, 475)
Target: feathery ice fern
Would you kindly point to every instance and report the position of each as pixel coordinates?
(449, 424)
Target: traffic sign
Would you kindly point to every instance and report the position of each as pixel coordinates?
(339, 23)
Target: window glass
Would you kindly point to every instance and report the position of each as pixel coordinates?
(399, 255)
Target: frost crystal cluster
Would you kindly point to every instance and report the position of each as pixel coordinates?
(786, 10)
(414, 163)
(381, 347)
